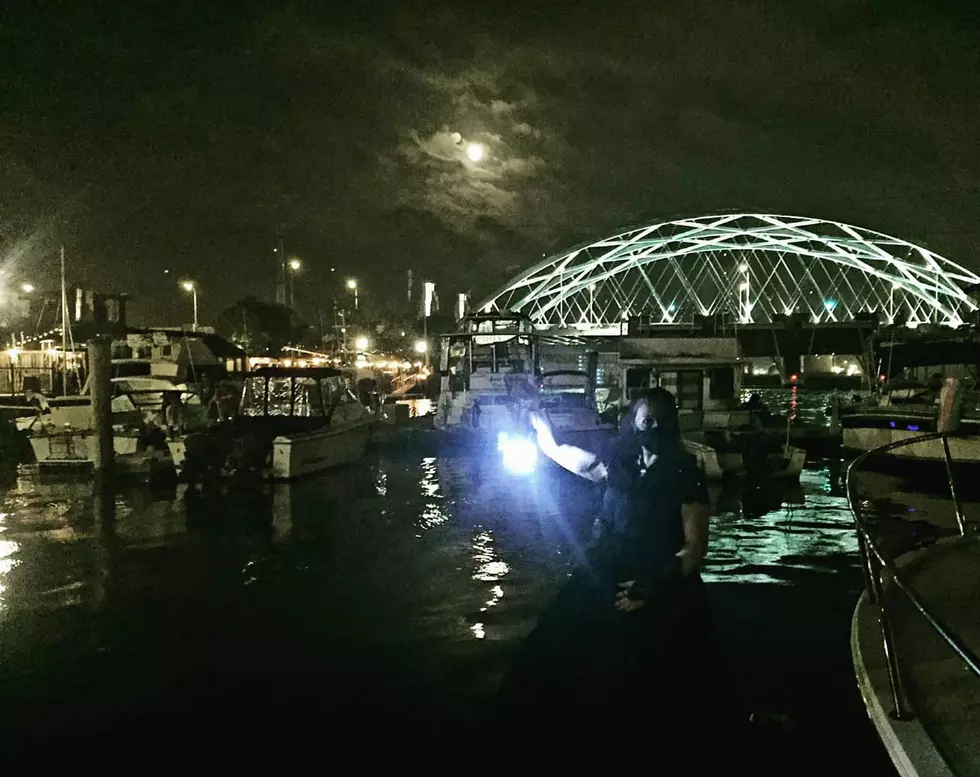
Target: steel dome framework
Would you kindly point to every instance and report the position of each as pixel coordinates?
(752, 266)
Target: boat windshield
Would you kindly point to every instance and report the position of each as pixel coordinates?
(307, 399)
(279, 396)
(294, 396)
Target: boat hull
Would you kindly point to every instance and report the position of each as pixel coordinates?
(63, 451)
(298, 455)
(861, 439)
(716, 465)
(76, 446)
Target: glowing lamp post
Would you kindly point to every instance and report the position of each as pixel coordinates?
(361, 343)
(294, 267)
(352, 286)
(190, 286)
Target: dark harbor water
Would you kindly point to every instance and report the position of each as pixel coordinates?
(386, 598)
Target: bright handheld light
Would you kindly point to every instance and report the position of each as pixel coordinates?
(519, 455)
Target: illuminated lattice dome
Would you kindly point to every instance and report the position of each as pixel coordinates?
(753, 266)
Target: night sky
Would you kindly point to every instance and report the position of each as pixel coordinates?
(168, 136)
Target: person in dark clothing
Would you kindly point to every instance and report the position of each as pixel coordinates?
(628, 647)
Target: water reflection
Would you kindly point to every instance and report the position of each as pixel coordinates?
(489, 568)
(432, 513)
(768, 535)
(7, 560)
(381, 482)
(335, 563)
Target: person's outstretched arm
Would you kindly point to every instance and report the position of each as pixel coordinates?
(577, 461)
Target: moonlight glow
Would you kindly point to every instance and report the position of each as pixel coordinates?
(475, 152)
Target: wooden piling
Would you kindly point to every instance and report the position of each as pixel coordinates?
(99, 361)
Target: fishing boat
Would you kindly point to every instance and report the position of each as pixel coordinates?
(62, 436)
(915, 639)
(292, 422)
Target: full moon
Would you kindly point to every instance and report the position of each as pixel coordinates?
(475, 152)
(457, 138)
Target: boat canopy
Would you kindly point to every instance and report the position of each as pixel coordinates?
(298, 393)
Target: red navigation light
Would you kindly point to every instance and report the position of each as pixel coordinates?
(793, 378)
(881, 378)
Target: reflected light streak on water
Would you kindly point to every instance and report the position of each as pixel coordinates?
(7, 549)
(432, 514)
(381, 482)
(488, 569)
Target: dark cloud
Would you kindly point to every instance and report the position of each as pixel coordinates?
(187, 139)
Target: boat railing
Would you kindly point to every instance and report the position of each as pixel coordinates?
(884, 578)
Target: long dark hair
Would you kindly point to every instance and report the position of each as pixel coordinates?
(663, 407)
(623, 468)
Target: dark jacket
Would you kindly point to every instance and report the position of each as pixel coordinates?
(641, 528)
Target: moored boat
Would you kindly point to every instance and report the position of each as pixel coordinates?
(915, 638)
(704, 373)
(292, 422)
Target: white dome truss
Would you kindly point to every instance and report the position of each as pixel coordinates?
(752, 266)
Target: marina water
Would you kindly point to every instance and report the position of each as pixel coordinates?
(396, 590)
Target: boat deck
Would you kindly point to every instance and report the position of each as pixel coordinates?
(943, 692)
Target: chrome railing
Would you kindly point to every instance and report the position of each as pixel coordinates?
(882, 575)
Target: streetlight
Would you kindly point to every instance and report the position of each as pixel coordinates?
(361, 343)
(27, 288)
(192, 288)
(421, 347)
(352, 285)
(294, 266)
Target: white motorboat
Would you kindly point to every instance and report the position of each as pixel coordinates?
(61, 432)
(292, 422)
(489, 374)
(920, 372)
(915, 641)
(896, 419)
(75, 449)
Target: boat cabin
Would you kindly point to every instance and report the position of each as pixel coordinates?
(566, 390)
(296, 392)
(489, 353)
(704, 374)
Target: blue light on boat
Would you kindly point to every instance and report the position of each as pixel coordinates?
(891, 424)
(912, 428)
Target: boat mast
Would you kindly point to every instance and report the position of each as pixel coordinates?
(64, 328)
